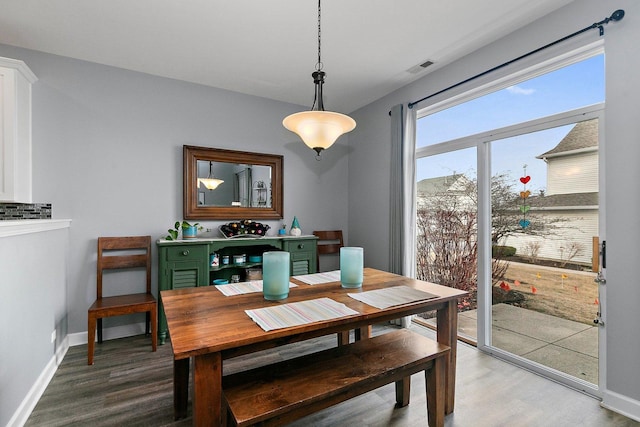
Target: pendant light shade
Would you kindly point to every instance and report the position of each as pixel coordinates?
(318, 128)
(210, 183)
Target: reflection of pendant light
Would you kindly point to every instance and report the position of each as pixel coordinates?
(210, 182)
(319, 129)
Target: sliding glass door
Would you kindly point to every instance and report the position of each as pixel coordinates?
(509, 209)
(544, 219)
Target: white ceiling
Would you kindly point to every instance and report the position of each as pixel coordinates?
(269, 47)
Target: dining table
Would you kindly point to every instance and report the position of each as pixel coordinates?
(208, 325)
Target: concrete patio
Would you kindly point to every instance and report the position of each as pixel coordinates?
(567, 346)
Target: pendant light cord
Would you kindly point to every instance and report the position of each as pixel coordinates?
(318, 75)
(319, 64)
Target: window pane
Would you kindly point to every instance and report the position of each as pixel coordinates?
(551, 93)
(544, 218)
(446, 224)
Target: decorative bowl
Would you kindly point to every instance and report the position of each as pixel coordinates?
(244, 228)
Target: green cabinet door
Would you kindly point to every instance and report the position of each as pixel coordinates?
(181, 266)
(303, 255)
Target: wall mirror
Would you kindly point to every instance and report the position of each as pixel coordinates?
(227, 184)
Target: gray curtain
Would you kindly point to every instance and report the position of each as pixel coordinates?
(402, 232)
(403, 192)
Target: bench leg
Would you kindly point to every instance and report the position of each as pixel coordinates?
(403, 391)
(435, 382)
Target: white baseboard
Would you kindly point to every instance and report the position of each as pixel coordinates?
(623, 405)
(80, 338)
(21, 415)
(23, 412)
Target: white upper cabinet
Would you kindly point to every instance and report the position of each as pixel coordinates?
(15, 131)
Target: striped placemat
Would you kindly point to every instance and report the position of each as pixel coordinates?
(299, 313)
(244, 287)
(318, 278)
(388, 297)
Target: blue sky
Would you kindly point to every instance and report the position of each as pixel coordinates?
(571, 87)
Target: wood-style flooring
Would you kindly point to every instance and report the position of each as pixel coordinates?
(131, 386)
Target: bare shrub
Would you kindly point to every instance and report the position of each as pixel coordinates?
(568, 251)
(531, 250)
(447, 228)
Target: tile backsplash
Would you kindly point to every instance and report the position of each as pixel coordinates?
(17, 211)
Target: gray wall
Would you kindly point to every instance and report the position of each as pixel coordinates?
(107, 153)
(369, 168)
(33, 303)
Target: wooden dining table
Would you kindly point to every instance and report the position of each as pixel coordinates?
(207, 327)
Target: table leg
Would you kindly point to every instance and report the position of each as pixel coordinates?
(403, 391)
(207, 390)
(363, 333)
(448, 335)
(180, 388)
(343, 338)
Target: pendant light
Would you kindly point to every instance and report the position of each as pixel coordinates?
(318, 128)
(210, 182)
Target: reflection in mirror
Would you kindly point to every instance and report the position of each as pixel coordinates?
(209, 182)
(233, 184)
(226, 184)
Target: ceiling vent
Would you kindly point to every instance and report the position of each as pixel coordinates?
(418, 68)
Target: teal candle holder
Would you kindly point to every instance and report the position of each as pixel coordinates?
(275, 275)
(351, 267)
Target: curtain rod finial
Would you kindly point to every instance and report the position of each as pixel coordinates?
(617, 15)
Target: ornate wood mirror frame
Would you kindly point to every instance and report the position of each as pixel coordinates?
(195, 208)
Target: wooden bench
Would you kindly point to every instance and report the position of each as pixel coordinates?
(283, 392)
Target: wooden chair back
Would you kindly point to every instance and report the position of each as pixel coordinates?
(123, 260)
(329, 242)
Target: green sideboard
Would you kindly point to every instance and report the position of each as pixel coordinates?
(187, 263)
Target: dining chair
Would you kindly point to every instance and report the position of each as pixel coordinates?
(120, 253)
(329, 242)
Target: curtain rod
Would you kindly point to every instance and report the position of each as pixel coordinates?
(615, 16)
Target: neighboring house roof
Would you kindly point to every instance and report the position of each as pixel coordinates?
(571, 201)
(439, 184)
(562, 201)
(583, 137)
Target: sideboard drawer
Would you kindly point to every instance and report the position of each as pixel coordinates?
(304, 246)
(179, 253)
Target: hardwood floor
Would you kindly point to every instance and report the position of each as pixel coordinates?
(131, 386)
